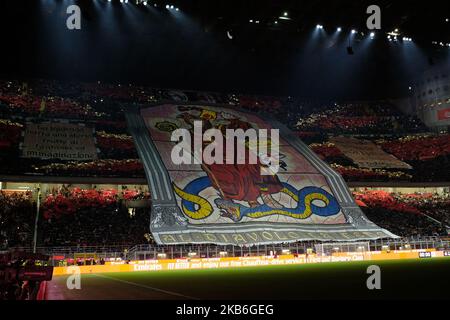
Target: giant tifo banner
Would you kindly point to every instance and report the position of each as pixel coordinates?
(55, 140)
(366, 154)
(235, 203)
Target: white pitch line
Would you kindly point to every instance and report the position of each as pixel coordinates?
(147, 287)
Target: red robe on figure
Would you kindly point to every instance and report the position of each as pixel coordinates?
(242, 182)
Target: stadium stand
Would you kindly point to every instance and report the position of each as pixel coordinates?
(93, 217)
(17, 212)
(101, 106)
(406, 215)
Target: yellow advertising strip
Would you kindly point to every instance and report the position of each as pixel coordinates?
(241, 262)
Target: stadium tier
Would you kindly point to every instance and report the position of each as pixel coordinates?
(424, 156)
(370, 142)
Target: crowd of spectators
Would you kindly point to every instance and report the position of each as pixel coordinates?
(102, 106)
(352, 173)
(99, 168)
(428, 155)
(75, 217)
(93, 217)
(363, 118)
(9, 134)
(21, 102)
(116, 146)
(17, 214)
(409, 215)
(436, 206)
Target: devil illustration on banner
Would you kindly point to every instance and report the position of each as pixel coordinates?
(242, 191)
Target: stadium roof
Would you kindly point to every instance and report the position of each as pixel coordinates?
(262, 47)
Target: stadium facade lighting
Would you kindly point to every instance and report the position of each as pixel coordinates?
(339, 29)
(372, 35)
(285, 14)
(353, 31)
(167, 6)
(319, 26)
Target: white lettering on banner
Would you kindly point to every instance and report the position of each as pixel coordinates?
(58, 141)
(366, 154)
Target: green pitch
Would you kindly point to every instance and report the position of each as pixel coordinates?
(426, 278)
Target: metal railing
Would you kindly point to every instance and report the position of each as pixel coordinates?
(150, 251)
